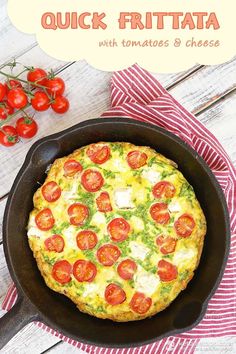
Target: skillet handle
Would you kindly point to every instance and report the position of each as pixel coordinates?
(14, 320)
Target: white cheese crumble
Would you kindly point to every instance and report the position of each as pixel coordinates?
(92, 288)
(138, 251)
(99, 218)
(183, 256)
(72, 193)
(146, 283)
(119, 165)
(174, 207)
(34, 231)
(137, 223)
(123, 199)
(152, 176)
(70, 237)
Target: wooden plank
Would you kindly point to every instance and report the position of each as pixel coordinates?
(31, 339)
(64, 348)
(216, 345)
(5, 279)
(13, 42)
(220, 120)
(206, 86)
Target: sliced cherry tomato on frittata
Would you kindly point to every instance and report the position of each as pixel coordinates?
(126, 269)
(136, 159)
(166, 270)
(78, 213)
(167, 244)
(44, 219)
(98, 153)
(140, 303)
(61, 272)
(103, 202)
(86, 239)
(55, 243)
(51, 191)
(159, 213)
(184, 225)
(163, 189)
(118, 229)
(92, 180)
(71, 167)
(108, 254)
(84, 270)
(114, 294)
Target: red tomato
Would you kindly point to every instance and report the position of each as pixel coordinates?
(166, 270)
(26, 127)
(3, 91)
(44, 219)
(61, 272)
(17, 98)
(55, 243)
(55, 86)
(98, 153)
(167, 244)
(84, 270)
(60, 105)
(51, 191)
(10, 84)
(103, 202)
(8, 136)
(159, 213)
(163, 189)
(140, 303)
(78, 213)
(136, 159)
(114, 294)
(118, 229)
(92, 180)
(71, 167)
(108, 254)
(40, 102)
(126, 269)
(5, 110)
(37, 76)
(86, 239)
(184, 225)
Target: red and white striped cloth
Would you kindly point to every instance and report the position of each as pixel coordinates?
(135, 93)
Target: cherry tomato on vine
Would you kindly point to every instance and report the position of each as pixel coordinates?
(17, 98)
(26, 127)
(8, 136)
(60, 104)
(3, 91)
(5, 110)
(10, 84)
(40, 101)
(38, 76)
(55, 86)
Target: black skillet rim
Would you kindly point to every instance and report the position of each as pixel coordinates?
(94, 122)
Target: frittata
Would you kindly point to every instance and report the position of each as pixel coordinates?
(117, 229)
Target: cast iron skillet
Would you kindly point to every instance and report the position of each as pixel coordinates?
(37, 302)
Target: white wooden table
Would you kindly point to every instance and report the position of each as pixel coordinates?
(209, 92)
